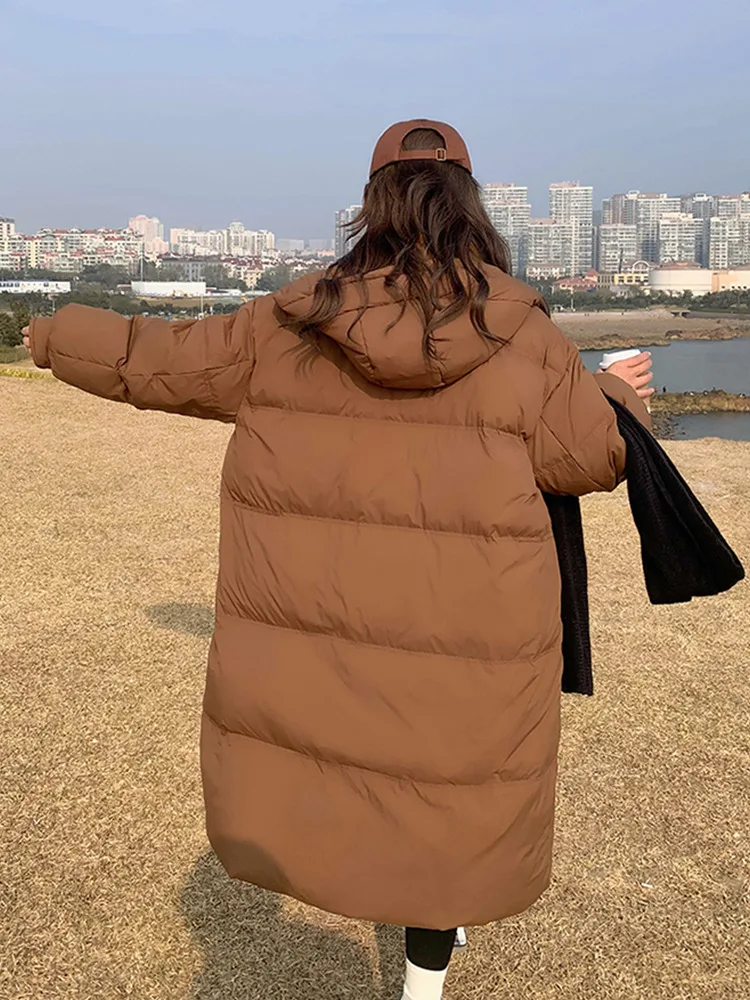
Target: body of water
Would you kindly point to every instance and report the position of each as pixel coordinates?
(730, 426)
(696, 365)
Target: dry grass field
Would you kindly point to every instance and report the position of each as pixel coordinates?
(107, 887)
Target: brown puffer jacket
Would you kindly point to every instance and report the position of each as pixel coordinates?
(382, 708)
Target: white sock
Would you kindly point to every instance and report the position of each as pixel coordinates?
(423, 984)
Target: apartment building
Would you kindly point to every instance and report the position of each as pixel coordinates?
(509, 211)
(616, 247)
(234, 241)
(573, 204)
(678, 238)
(550, 249)
(729, 242)
(151, 230)
(648, 210)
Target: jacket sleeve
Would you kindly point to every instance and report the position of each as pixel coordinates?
(200, 369)
(576, 447)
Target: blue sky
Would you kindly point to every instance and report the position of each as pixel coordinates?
(202, 113)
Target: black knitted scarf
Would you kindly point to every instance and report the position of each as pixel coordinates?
(684, 554)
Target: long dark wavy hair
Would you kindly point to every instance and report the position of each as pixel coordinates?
(423, 219)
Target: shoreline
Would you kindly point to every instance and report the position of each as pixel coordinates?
(680, 404)
(617, 341)
(601, 331)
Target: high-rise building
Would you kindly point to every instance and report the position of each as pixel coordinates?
(550, 249)
(234, 241)
(649, 209)
(574, 203)
(152, 231)
(702, 207)
(509, 211)
(13, 249)
(243, 242)
(617, 247)
(678, 238)
(260, 242)
(729, 242)
(619, 210)
(732, 206)
(342, 241)
(198, 243)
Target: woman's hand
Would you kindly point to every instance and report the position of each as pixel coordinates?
(636, 372)
(26, 338)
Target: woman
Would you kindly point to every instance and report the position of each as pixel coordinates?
(381, 716)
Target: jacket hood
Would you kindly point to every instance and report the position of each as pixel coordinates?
(394, 358)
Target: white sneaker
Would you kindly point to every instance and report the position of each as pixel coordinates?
(462, 940)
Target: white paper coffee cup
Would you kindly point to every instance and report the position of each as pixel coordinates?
(614, 356)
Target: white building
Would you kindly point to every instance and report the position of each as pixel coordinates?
(243, 242)
(550, 249)
(732, 206)
(729, 242)
(234, 241)
(617, 247)
(35, 286)
(198, 243)
(574, 203)
(342, 243)
(509, 211)
(678, 238)
(700, 205)
(648, 210)
(675, 279)
(169, 289)
(7, 229)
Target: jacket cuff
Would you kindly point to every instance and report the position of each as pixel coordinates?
(39, 332)
(617, 388)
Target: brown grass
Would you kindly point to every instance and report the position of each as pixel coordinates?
(108, 889)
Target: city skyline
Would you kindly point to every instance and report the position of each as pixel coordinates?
(676, 199)
(709, 230)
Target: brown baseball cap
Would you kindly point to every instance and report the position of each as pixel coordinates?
(388, 148)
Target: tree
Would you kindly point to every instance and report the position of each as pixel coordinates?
(274, 278)
(21, 312)
(104, 275)
(216, 276)
(90, 295)
(10, 331)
